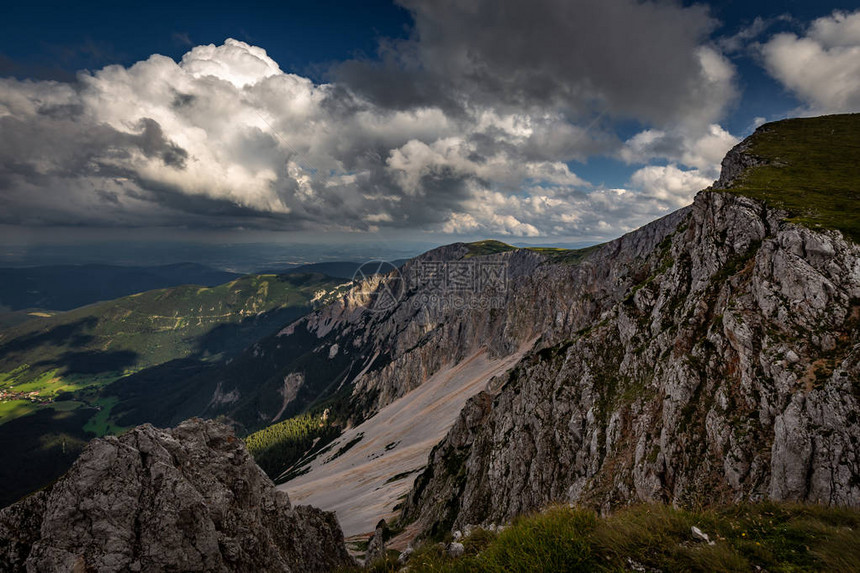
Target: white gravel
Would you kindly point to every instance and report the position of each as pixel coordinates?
(354, 484)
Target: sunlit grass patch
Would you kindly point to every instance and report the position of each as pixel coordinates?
(812, 170)
(15, 409)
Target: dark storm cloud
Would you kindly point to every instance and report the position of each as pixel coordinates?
(629, 58)
(56, 145)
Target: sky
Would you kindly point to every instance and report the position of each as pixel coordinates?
(401, 123)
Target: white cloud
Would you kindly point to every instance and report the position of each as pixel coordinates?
(225, 138)
(596, 214)
(822, 67)
(236, 62)
(669, 184)
(714, 90)
(701, 150)
(840, 30)
(706, 152)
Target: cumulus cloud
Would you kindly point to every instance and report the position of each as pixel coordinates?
(669, 184)
(220, 137)
(693, 163)
(821, 67)
(596, 214)
(235, 61)
(702, 151)
(470, 127)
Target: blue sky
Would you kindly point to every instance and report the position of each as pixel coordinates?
(547, 121)
(56, 39)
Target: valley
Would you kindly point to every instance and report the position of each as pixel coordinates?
(57, 372)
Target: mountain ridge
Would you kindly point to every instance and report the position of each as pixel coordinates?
(738, 282)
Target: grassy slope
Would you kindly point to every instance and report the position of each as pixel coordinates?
(812, 170)
(97, 344)
(766, 537)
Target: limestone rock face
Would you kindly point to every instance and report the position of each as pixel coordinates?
(186, 499)
(722, 365)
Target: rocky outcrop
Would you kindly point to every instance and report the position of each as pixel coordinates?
(376, 544)
(724, 366)
(186, 499)
(737, 161)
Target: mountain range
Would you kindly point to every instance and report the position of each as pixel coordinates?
(708, 359)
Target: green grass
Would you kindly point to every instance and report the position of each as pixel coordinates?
(15, 409)
(67, 405)
(45, 383)
(488, 247)
(553, 254)
(565, 256)
(768, 537)
(100, 424)
(812, 170)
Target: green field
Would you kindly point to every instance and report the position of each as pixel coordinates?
(811, 169)
(11, 409)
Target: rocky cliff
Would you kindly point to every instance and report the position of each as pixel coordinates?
(713, 356)
(379, 350)
(186, 499)
(412, 365)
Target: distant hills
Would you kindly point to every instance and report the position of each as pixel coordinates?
(337, 269)
(64, 287)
